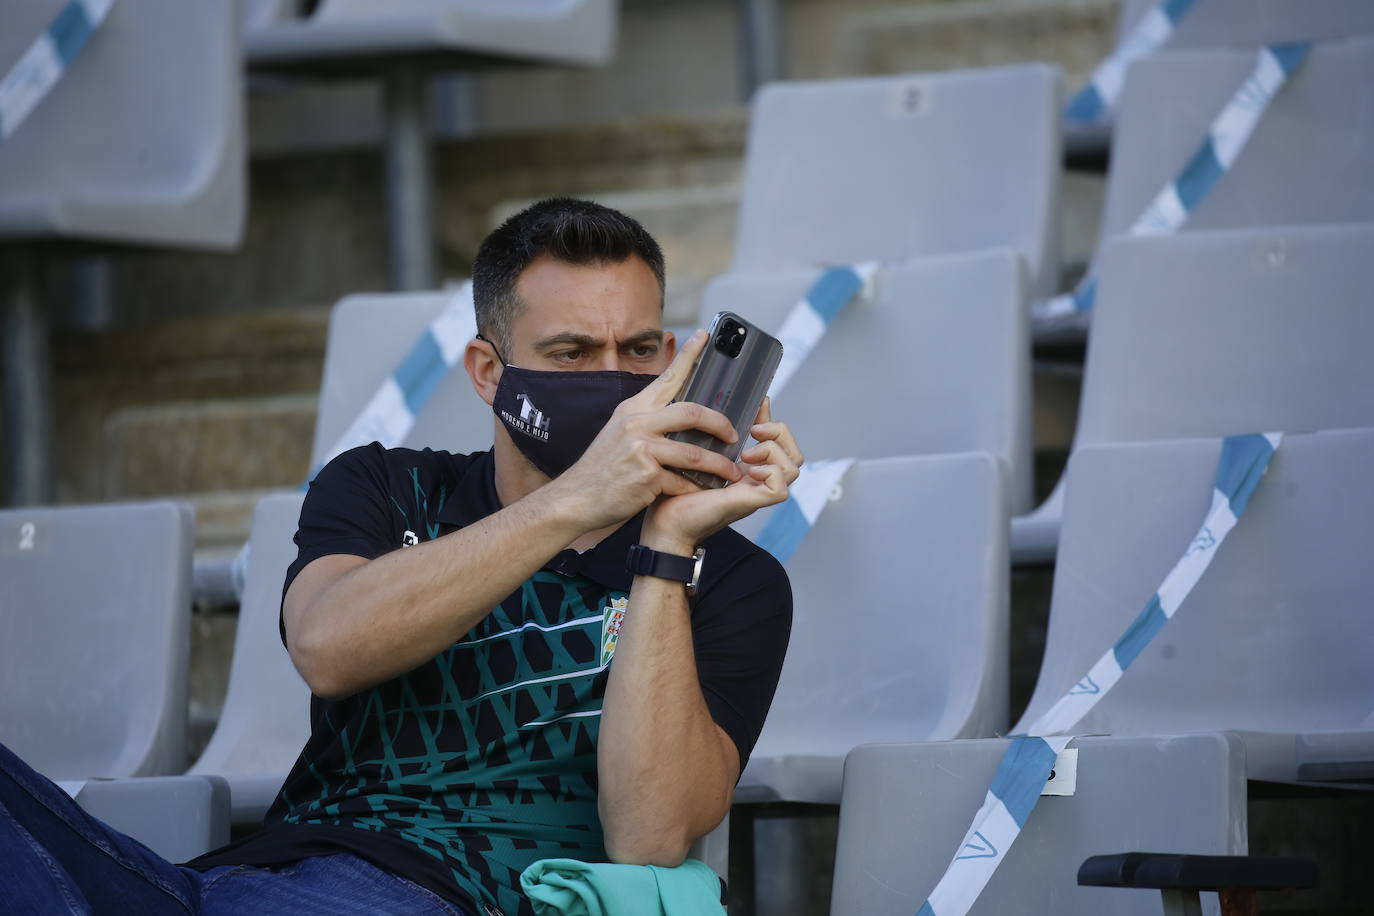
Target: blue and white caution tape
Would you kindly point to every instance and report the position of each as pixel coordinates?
(42, 65)
(803, 328)
(790, 521)
(391, 411)
(806, 324)
(1094, 103)
(1227, 136)
(1021, 776)
(1026, 766)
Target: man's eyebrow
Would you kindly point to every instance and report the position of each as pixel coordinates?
(568, 338)
(644, 336)
(588, 342)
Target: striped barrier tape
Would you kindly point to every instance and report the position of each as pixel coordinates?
(1094, 103)
(45, 61)
(390, 413)
(1225, 139)
(806, 324)
(1025, 768)
(789, 522)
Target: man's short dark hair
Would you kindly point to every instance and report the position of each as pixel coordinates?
(574, 231)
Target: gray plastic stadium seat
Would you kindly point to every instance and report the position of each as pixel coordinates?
(142, 141)
(1307, 162)
(1237, 24)
(1217, 333)
(906, 808)
(360, 35)
(177, 817)
(266, 716)
(891, 168)
(1232, 332)
(94, 638)
(910, 642)
(1251, 23)
(1274, 640)
(369, 336)
(947, 355)
(1342, 758)
(258, 13)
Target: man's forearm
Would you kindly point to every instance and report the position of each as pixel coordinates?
(394, 613)
(665, 769)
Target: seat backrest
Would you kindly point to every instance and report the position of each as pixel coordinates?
(1307, 162)
(1251, 23)
(95, 637)
(899, 628)
(259, 13)
(906, 809)
(1223, 333)
(890, 168)
(141, 141)
(1277, 634)
(266, 717)
(567, 31)
(945, 353)
(369, 336)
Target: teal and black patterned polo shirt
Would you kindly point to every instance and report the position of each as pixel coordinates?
(460, 773)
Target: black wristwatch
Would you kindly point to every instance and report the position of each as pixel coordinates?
(643, 561)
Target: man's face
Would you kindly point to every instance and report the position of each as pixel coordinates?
(590, 317)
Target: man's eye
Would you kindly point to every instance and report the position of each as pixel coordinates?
(644, 351)
(568, 356)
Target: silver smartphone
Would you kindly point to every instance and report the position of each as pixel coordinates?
(731, 375)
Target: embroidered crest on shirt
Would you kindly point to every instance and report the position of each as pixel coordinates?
(612, 618)
(409, 539)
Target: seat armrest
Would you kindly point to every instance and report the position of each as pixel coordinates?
(1163, 871)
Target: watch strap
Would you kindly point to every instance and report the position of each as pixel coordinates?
(645, 561)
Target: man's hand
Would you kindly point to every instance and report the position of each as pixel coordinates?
(628, 465)
(678, 523)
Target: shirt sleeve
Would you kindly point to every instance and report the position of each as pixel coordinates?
(741, 624)
(345, 512)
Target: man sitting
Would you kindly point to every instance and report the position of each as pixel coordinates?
(492, 684)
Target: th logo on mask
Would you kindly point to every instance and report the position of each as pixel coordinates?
(531, 414)
(532, 421)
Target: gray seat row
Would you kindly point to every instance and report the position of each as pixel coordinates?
(1264, 666)
(351, 37)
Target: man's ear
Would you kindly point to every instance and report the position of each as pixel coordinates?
(669, 347)
(483, 368)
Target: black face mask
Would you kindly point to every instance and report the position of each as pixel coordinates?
(553, 416)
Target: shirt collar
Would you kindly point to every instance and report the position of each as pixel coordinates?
(475, 498)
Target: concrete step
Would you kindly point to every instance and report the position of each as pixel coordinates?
(188, 447)
(1075, 34)
(217, 358)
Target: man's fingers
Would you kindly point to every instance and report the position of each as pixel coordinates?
(663, 389)
(771, 452)
(780, 433)
(671, 483)
(689, 457)
(765, 414)
(686, 415)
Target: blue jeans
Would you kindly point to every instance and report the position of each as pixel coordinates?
(56, 858)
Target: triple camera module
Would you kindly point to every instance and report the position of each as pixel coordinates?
(730, 337)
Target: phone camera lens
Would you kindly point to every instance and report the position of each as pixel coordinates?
(730, 338)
